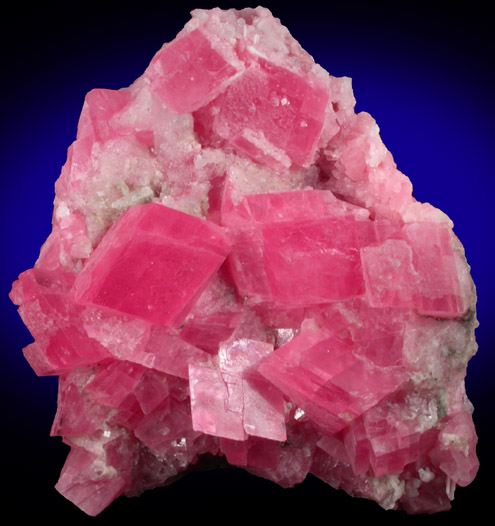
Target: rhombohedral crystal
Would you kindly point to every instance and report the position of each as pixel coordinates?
(237, 268)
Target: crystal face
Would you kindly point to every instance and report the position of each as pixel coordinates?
(237, 268)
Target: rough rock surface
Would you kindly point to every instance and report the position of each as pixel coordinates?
(238, 268)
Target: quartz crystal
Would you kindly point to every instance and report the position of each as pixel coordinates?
(238, 269)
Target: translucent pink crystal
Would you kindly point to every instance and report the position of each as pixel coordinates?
(325, 378)
(154, 263)
(271, 114)
(238, 269)
(190, 72)
(234, 400)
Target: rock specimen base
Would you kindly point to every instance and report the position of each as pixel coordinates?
(238, 269)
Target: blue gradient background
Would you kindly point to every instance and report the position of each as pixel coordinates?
(426, 76)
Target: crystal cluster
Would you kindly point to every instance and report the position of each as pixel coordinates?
(238, 268)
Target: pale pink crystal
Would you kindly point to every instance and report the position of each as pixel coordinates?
(237, 268)
(234, 401)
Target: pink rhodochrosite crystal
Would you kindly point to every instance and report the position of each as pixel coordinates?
(238, 269)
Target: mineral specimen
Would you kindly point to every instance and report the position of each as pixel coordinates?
(238, 268)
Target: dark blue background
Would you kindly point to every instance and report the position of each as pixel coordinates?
(426, 76)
